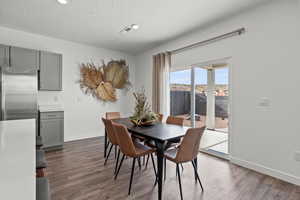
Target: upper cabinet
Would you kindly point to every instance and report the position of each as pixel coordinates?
(4, 55)
(24, 59)
(50, 71)
(48, 65)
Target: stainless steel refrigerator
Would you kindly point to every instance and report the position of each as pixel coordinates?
(18, 98)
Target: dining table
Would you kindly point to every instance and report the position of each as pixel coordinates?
(160, 133)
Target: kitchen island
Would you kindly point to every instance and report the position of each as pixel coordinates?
(17, 159)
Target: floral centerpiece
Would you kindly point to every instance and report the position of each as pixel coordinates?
(142, 116)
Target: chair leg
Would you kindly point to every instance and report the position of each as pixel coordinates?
(105, 144)
(139, 162)
(119, 166)
(147, 161)
(179, 179)
(179, 170)
(153, 163)
(131, 177)
(108, 153)
(165, 168)
(193, 163)
(154, 168)
(176, 173)
(117, 161)
(197, 175)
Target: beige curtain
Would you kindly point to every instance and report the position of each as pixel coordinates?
(160, 89)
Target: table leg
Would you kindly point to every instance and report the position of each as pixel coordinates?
(160, 163)
(105, 144)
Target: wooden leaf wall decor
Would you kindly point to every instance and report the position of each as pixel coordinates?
(102, 81)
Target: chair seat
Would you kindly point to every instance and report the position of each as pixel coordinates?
(150, 143)
(40, 159)
(134, 137)
(170, 154)
(142, 149)
(42, 189)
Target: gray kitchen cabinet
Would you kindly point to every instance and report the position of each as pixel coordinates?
(50, 71)
(4, 55)
(23, 59)
(52, 130)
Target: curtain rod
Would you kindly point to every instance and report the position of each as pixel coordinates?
(211, 40)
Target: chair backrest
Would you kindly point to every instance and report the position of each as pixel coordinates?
(110, 131)
(124, 140)
(175, 120)
(189, 147)
(160, 117)
(112, 115)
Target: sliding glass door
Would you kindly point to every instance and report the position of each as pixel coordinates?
(199, 94)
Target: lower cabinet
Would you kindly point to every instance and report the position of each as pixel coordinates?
(52, 130)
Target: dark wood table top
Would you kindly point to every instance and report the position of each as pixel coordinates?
(157, 131)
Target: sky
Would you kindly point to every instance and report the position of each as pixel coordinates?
(184, 77)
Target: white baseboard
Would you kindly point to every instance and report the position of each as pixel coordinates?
(265, 170)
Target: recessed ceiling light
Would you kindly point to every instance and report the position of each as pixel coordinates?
(62, 1)
(134, 26)
(129, 28)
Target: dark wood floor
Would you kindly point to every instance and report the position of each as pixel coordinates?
(78, 173)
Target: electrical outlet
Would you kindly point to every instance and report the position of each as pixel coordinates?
(297, 156)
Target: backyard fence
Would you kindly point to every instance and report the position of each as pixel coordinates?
(181, 104)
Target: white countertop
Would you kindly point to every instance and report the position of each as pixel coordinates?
(17, 159)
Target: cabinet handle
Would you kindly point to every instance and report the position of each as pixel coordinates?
(51, 115)
(9, 57)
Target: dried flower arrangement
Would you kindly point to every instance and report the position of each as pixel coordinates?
(102, 81)
(143, 116)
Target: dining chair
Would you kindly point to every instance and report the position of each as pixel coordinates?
(160, 117)
(112, 140)
(186, 152)
(131, 149)
(110, 116)
(175, 120)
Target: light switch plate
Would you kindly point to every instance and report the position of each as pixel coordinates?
(264, 102)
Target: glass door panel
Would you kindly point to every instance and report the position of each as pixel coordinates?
(221, 99)
(180, 94)
(200, 96)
